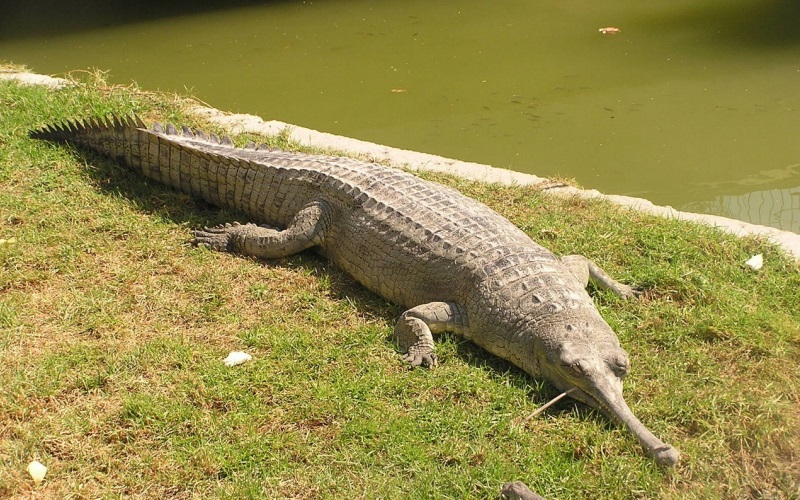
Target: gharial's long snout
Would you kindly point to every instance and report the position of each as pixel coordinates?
(596, 377)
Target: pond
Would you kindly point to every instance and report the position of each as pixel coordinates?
(691, 104)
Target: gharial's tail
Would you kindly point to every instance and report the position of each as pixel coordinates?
(124, 139)
(113, 137)
(194, 162)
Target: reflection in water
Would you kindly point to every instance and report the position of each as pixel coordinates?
(771, 205)
(778, 208)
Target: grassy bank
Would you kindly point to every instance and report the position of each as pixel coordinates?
(112, 332)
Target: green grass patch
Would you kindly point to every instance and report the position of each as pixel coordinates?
(113, 331)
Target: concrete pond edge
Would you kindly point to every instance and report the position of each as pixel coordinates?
(241, 123)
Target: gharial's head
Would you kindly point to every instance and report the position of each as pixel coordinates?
(593, 369)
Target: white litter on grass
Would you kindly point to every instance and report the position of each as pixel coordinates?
(756, 262)
(237, 358)
(37, 471)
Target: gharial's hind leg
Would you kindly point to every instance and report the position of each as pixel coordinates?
(306, 230)
(584, 269)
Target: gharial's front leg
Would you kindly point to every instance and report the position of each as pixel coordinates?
(585, 269)
(415, 329)
(307, 229)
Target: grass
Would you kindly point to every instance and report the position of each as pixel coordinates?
(112, 332)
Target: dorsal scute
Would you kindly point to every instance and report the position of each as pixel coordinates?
(118, 123)
(135, 121)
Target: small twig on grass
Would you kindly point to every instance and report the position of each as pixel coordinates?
(548, 405)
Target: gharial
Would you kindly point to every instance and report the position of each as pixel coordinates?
(457, 265)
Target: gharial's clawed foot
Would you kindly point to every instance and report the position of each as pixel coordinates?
(419, 358)
(219, 238)
(415, 336)
(627, 292)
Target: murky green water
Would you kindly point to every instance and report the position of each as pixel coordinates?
(694, 104)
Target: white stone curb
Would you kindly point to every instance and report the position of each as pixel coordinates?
(34, 79)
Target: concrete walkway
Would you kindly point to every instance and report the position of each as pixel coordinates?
(240, 123)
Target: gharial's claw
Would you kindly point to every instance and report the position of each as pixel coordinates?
(219, 238)
(223, 228)
(627, 292)
(421, 359)
(221, 242)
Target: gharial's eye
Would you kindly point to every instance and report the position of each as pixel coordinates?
(576, 367)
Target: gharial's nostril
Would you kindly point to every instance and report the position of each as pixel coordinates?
(619, 365)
